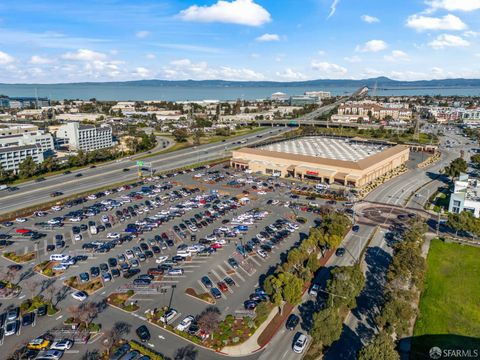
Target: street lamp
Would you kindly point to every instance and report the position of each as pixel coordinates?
(171, 298)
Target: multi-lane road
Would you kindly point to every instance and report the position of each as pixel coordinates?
(33, 193)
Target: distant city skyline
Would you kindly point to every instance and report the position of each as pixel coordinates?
(115, 40)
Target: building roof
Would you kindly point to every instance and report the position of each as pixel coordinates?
(17, 148)
(358, 165)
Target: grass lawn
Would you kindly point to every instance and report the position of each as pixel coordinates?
(449, 307)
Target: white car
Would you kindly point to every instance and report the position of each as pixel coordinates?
(64, 344)
(21, 220)
(261, 253)
(92, 197)
(161, 259)
(104, 218)
(53, 222)
(75, 219)
(80, 295)
(185, 323)
(113, 236)
(221, 241)
(260, 237)
(11, 327)
(300, 344)
(129, 254)
(50, 354)
(78, 237)
(60, 267)
(169, 315)
(56, 208)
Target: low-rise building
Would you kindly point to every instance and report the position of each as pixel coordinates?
(85, 137)
(318, 94)
(43, 140)
(300, 100)
(465, 196)
(7, 129)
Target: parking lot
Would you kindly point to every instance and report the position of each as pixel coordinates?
(210, 230)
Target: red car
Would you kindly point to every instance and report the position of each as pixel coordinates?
(22, 231)
(216, 246)
(222, 286)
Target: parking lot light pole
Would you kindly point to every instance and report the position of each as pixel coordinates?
(171, 296)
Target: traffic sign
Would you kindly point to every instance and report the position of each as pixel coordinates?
(140, 163)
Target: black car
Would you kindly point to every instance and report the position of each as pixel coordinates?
(233, 263)
(143, 246)
(28, 319)
(112, 262)
(50, 247)
(130, 273)
(94, 271)
(340, 252)
(292, 322)
(78, 175)
(170, 242)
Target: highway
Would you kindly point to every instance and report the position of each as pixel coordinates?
(33, 193)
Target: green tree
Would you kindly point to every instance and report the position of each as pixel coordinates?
(456, 167)
(395, 316)
(345, 285)
(381, 348)
(292, 289)
(326, 327)
(180, 135)
(27, 168)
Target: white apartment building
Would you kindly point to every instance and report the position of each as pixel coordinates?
(378, 110)
(471, 116)
(11, 157)
(85, 137)
(14, 128)
(465, 196)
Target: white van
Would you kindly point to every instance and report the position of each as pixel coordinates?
(59, 257)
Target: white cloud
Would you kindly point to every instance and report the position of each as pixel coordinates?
(255, 56)
(150, 56)
(290, 75)
(447, 22)
(333, 8)
(5, 58)
(142, 34)
(397, 55)
(370, 19)
(353, 59)
(328, 68)
(141, 72)
(241, 12)
(454, 5)
(268, 37)
(84, 55)
(186, 69)
(471, 34)
(372, 46)
(448, 40)
(39, 60)
(321, 52)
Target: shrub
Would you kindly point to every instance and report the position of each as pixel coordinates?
(153, 355)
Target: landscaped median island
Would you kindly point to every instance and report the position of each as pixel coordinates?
(89, 287)
(449, 315)
(37, 302)
(203, 296)
(20, 259)
(46, 268)
(121, 301)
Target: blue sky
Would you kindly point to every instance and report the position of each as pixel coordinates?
(70, 41)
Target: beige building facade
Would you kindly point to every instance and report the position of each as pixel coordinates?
(326, 170)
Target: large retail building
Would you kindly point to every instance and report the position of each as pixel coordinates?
(350, 162)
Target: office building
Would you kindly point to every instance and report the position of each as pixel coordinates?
(85, 137)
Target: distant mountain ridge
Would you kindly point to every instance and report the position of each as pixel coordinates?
(379, 82)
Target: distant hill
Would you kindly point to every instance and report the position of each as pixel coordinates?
(380, 82)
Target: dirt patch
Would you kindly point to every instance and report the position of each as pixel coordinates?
(203, 296)
(90, 287)
(274, 325)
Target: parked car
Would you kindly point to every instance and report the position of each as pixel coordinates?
(185, 323)
(143, 333)
(80, 295)
(64, 344)
(300, 344)
(169, 315)
(292, 322)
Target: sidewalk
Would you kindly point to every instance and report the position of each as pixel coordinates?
(251, 345)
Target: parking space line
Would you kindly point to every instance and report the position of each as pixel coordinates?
(255, 261)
